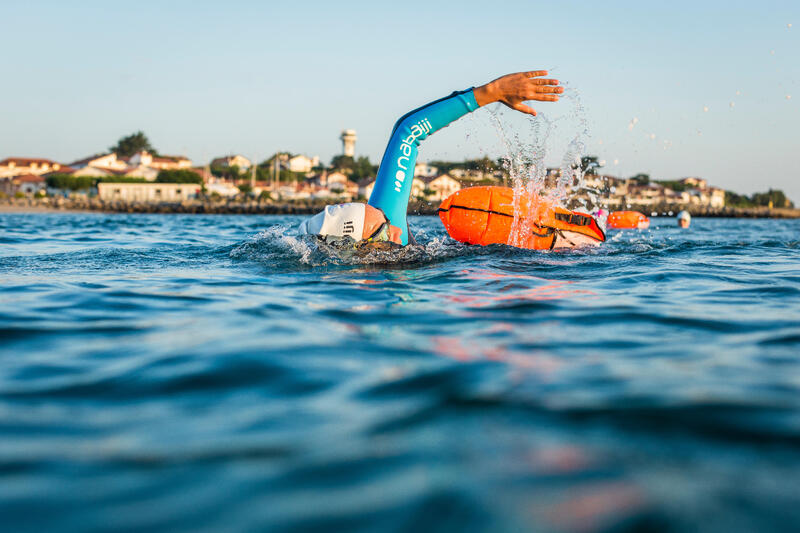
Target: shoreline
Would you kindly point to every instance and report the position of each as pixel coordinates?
(199, 207)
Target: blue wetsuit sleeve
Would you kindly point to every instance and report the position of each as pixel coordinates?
(396, 173)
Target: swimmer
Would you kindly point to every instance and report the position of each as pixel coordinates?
(684, 219)
(383, 218)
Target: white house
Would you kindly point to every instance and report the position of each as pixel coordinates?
(418, 187)
(148, 192)
(104, 161)
(148, 173)
(301, 163)
(329, 179)
(717, 199)
(442, 186)
(423, 170)
(222, 188)
(365, 187)
(697, 183)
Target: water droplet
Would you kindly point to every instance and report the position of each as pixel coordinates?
(738, 93)
(732, 104)
(772, 52)
(705, 109)
(789, 25)
(652, 136)
(616, 161)
(788, 96)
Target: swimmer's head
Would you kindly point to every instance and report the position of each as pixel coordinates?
(684, 219)
(360, 222)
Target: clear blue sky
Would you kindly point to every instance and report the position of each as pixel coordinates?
(209, 78)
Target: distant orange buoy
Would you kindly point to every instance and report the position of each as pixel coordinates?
(485, 215)
(627, 220)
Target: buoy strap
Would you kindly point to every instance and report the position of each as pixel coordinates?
(490, 211)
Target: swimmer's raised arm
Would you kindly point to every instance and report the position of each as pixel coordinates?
(385, 216)
(396, 172)
(513, 89)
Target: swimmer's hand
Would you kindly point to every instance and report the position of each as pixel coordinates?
(513, 89)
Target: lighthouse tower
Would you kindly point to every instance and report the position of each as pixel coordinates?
(348, 138)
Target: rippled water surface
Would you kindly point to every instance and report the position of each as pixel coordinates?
(214, 373)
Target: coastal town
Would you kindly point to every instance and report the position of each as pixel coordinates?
(134, 173)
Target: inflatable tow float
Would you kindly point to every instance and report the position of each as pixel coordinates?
(627, 220)
(485, 215)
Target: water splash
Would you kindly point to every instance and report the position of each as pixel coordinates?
(535, 186)
(282, 247)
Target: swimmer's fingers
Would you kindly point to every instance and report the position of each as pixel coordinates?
(519, 106)
(545, 90)
(544, 81)
(545, 97)
(534, 73)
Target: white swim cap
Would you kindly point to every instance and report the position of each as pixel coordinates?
(340, 220)
(684, 214)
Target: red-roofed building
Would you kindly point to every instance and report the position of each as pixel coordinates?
(17, 166)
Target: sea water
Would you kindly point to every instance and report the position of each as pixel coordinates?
(217, 373)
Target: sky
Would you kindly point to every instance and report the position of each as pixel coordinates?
(674, 89)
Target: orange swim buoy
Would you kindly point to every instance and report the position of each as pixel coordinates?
(485, 215)
(627, 220)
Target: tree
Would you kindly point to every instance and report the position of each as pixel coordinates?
(343, 162)
(775, 197)
(70, 183)
(445, 166)
(733, 199)
(179, 176)
(641, 179)
(362, 168)
(135, 142)
(484, 164)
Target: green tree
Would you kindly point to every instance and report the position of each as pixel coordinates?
(641, 179)
(485, 164)
(362, 168)
(733, 199)
(343, 162)
(135, 142)
(70, 183)
(445, 166)
(179, 176)
(777, 197)
(230, 173)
